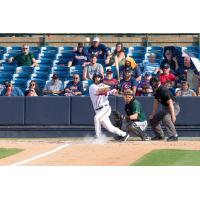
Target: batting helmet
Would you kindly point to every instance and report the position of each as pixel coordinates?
(98, 75)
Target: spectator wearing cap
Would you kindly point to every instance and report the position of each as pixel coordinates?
(150, 66)
(144, 82)
(25, 58)
(53, 87)
(74, 87)
(185, 90)
(10, 90)
(92, 68)
(33, 89)
(79, 57)
(170, 59)
(135, 70)
(128, 82)
(166, 75)
(109, 80)
(117, 53)
(98, 49)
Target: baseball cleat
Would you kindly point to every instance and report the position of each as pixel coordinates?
(146, 138)
(172, 138)
(158, 138)
(125, 138)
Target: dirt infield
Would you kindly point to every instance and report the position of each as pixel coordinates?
(84, 153)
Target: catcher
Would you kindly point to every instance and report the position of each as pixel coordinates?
(135, 121)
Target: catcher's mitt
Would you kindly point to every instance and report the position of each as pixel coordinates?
(118, 118)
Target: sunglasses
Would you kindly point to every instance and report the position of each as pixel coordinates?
(75, 77)
(25, 48)
(32, 84)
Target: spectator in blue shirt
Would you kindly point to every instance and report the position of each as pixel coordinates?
(79, 57)
(10, 90)
(128, 82)
(150, 66)
(74, 87)
(100, 50)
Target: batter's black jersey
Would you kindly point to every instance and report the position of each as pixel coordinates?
(163, 95)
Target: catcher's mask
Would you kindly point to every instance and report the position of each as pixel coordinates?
(98, 75)
(154, 82)
(128, 95)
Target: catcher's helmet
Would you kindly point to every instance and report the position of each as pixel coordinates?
(98, 75)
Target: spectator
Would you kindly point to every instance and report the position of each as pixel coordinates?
(167, 75)
(54, 87)
(144, 82)
(119, 48)
(79, 57)
(25, 58)
(171, 60)
(120, 59)
(135, 71)
(10, 90)
(75, 87)
(146, 90)
(33, 89)
(151, 65)
(109, 80)
(170, 86)
(92, 68)
(98, 49)
(183, 70)
(185, 90)
(128, 82)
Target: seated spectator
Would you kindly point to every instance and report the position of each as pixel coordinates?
(120, 59)
(183, 70)
(79, 57)
(53, 87)
(98, 49)
(135, 71)
(171, 60)
(112, 58)
(109, 80)
(10, 90)
(185, 90)
(145, 81)
(128, 82)
(92, 68)
(170, 86)
(25, 58)
(75, 87)
(146, 90)
(150, 66)
(166, 75)
(33, 89)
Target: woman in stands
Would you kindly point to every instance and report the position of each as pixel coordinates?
(185, 90)
(33, 89)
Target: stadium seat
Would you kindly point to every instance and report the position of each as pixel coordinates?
(21, 76)
(141, 49)
(45, 61)
(33, 49)
(193, 49)
(86, 85)
(66, 49)
(14, 49)
(22, 84)
(25, 69)
(43, 69)
(75, 69)
(3, 50)
(158, 54)
(137, 55)
(49, 49)
(47, 55)
(65, 55)
(5, 76)
(40, 75)
(7, 69)
(155, 49)
(8, 55)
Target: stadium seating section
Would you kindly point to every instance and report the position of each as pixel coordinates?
(53, 59)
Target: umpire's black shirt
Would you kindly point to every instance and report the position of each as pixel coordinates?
(162, 94)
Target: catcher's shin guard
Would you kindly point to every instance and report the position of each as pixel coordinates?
(135, 129)
(118, 119)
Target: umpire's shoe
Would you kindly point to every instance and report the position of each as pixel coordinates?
(157, 137)
(172, 138)
(125, 138)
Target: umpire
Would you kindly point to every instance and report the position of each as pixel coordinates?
(170, 110)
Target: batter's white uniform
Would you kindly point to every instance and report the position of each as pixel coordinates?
(103, 111)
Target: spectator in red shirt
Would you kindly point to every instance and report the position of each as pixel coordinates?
(109, 80)
(166, 75)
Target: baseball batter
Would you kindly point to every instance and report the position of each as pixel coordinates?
(99, 96)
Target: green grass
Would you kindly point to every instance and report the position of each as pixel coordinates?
(170, 157)
(4, 152)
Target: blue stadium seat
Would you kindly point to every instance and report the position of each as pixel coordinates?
(45, 61)
(33, 49)
(21, 76)
(3, 49)
(65, 55)
(8, 55)
(101, 61)
(7, 69)
(78, 69)
(49, 49)
(43, 69)
(86, 85)
(22, 84)
(139, 48)
(61, 61)
(14, 49)
(138, 60)
(138, 55)
(66, 49)
(5, 76)
(193, 49)
(40, 75)
(155, 49)
(47, 55)
(6, 64)
(25, 69)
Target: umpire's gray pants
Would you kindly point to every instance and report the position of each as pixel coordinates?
(164, 116)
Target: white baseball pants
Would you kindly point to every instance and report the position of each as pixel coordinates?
(102, 118)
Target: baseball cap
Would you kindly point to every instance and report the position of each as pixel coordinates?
(55, 76)
(96, 39)
(109, 70)
(166, 66)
